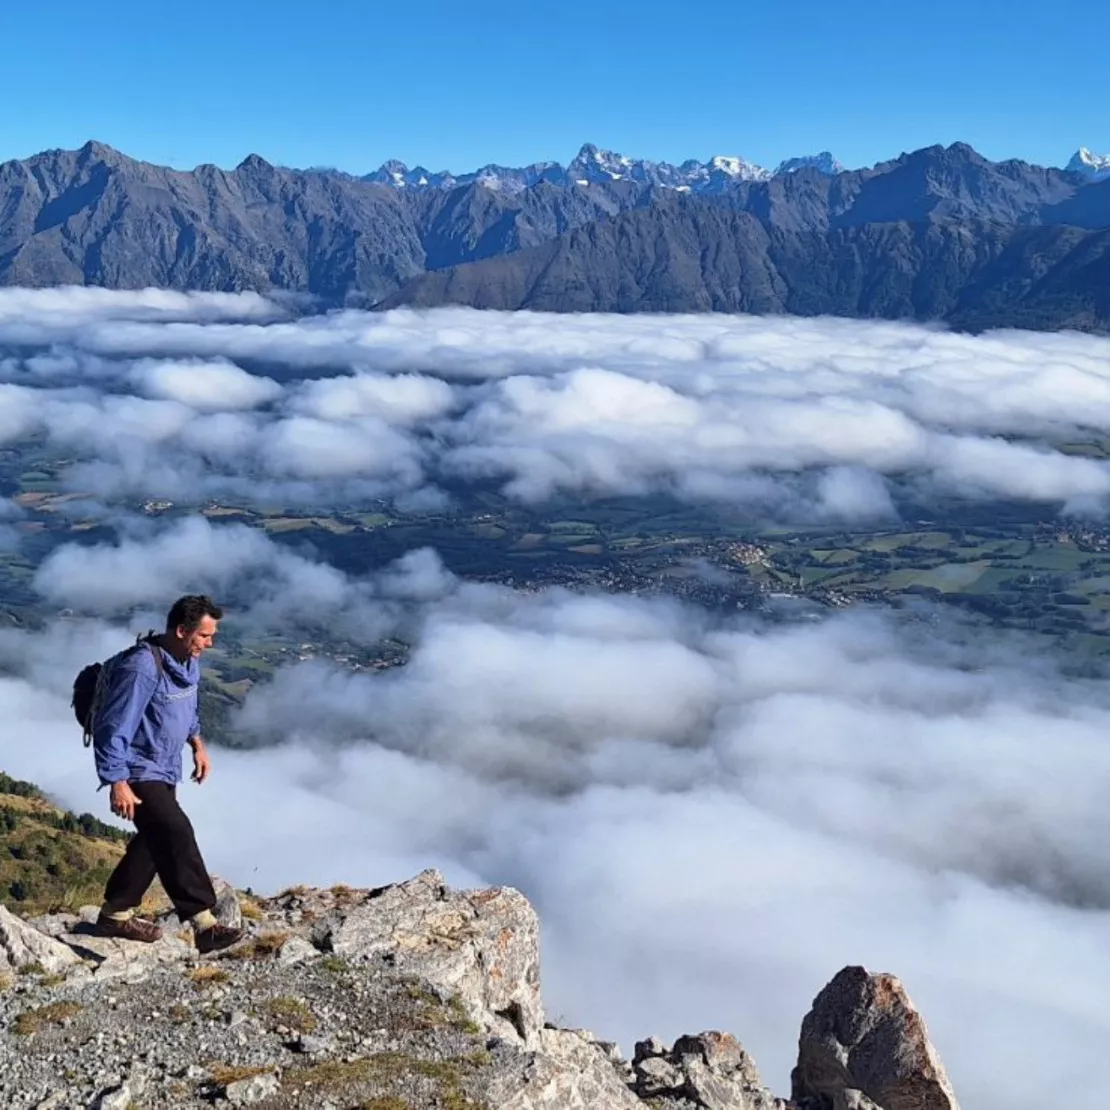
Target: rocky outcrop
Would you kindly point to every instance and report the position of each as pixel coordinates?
(864, 1045)
(408, 997)
(23, 947)
(481, 945)
(710, 1071)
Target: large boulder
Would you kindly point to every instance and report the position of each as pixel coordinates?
(481, 945)
(23, 946)
(864, 1046)
(111, 958)
(710, 1071)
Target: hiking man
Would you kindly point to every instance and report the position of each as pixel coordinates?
(147, 716)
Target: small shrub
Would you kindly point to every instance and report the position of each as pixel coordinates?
(334, 964)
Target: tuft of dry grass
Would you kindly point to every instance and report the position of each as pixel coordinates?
(389, 1068)
(32, 1021)
(260, 947)
(250, 909)
(293, 1013)
(206, 975)
(226, 1074)
(6, 981)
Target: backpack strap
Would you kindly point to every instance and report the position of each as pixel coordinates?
(155, 650)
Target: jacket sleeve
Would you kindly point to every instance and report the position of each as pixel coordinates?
(194, 728)
(129, 692)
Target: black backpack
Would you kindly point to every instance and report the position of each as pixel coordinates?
(90, 686)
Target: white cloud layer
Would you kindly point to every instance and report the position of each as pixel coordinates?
(818, 418)
(711, 816)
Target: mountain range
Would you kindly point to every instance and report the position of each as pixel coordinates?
(941, 233)
(592, 165)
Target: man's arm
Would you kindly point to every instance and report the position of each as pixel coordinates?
(125, 701)
(201, 763)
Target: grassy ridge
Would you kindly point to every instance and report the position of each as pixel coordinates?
(49, 858)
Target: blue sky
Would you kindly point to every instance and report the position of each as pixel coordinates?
(455, 85)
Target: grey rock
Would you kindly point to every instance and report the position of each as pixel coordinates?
(296, 950)
(21, 945)
(864, 1035)
(228, 911)
(654, 1076)
(849, 1099)
(569, 1072)
(650, 1046)
(125, 959)
(254, 1089)
(53, 924)
(118, 1098)
(710, 1071)
(313, 1046)
(481, 945)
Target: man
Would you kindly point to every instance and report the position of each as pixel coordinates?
(147, 716)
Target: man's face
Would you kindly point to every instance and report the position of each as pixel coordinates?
(198, 640)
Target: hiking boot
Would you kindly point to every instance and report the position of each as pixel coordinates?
(132, 928)
(216, 937)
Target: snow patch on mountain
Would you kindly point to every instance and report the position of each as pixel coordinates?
(823, 162)
(593, 164)
(1089, 164)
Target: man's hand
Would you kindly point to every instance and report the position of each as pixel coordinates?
(124, 801)
(201, 763)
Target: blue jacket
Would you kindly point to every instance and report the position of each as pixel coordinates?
(145, 720)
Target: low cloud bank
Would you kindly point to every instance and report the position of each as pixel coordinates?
(190, 396)
(711, 815)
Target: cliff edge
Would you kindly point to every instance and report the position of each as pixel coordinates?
(407, 997)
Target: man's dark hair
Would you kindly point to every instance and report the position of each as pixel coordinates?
(190, 610)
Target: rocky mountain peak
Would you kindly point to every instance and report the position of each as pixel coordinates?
(412, 995)
(94, 151)
(1095, 166)
(254, 163)
(823, 163)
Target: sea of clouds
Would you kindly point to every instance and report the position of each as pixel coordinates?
(198, 395)
(712, 813)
